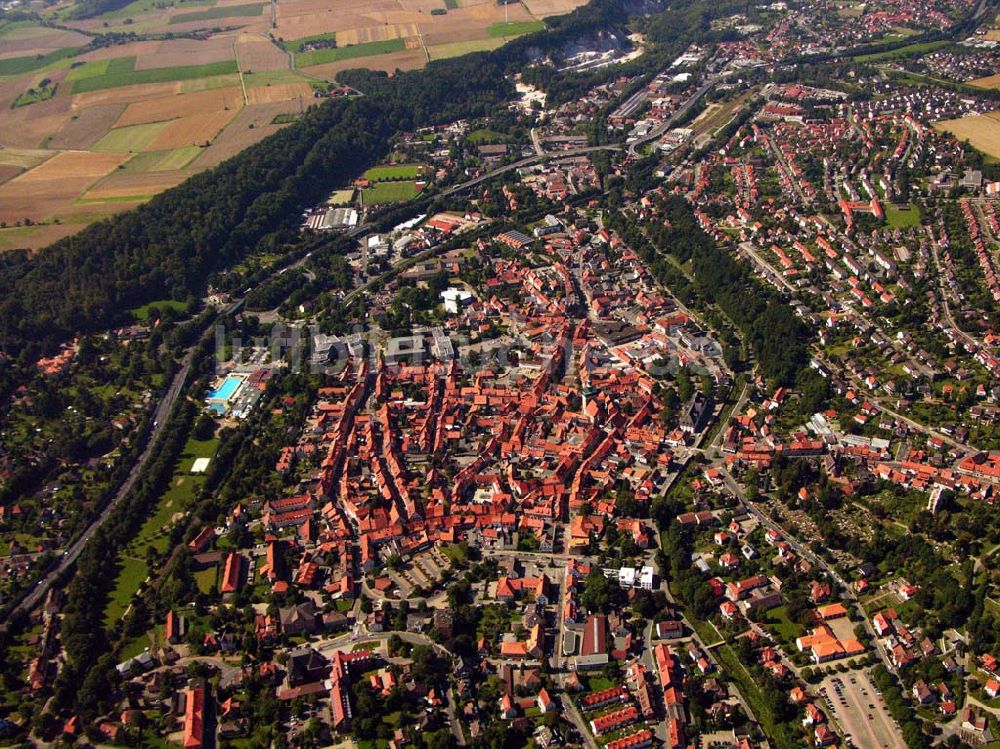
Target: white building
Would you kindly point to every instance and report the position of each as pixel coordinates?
(455, 300)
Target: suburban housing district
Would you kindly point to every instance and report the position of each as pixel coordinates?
(655, 405)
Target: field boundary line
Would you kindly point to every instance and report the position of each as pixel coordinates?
(239, 69)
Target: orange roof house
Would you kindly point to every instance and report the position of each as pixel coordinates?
(194, 718)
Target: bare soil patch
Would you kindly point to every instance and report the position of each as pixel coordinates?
(407, 59)
(126, 94)
(238, 134)
(195, 130)
(52, 186)
(259, 53)
(86, 127)
(187, 52)
(125, 184)
(280, 92)
(181, 105)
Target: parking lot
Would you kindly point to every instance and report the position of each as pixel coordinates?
(860, 711)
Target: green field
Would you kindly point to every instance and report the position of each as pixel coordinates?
(21, 30)
(22, 65)
(910, 49)
(390, 192)
(298, 44)
(130, 575)
(485, 135)
(142, 313)
(321, 56)
(155, 533)
(131, 138)
(78, 71)
(11, 238)
(787, 630)
(161, 161)
(206, 578)
(121, 72)
(390, 173)
(227, 11)
(457, 49)
(900, 217)
(518, 28)
(34, 95)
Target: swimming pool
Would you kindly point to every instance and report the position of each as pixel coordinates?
(225, 391)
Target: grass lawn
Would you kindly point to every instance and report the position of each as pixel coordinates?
(121, 72)
(901, 217)
(455, 553)
(367, 49)
(206, 578)
(518, 28)
(485, 135)
(142, 313)
(131, 574)
(389, 173)
(134, 647)
(390, 192)
(155, 530)
(787, 630)
(598, 683)
(131, 138)
(222, 11)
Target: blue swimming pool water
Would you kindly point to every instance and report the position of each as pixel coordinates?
(225, 391)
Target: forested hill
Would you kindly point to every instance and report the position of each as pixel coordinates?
(169, 247)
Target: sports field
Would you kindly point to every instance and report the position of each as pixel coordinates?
(389, 192)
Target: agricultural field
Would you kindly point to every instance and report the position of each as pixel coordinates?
(992, 81)
(91, 130)
(981, 130)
